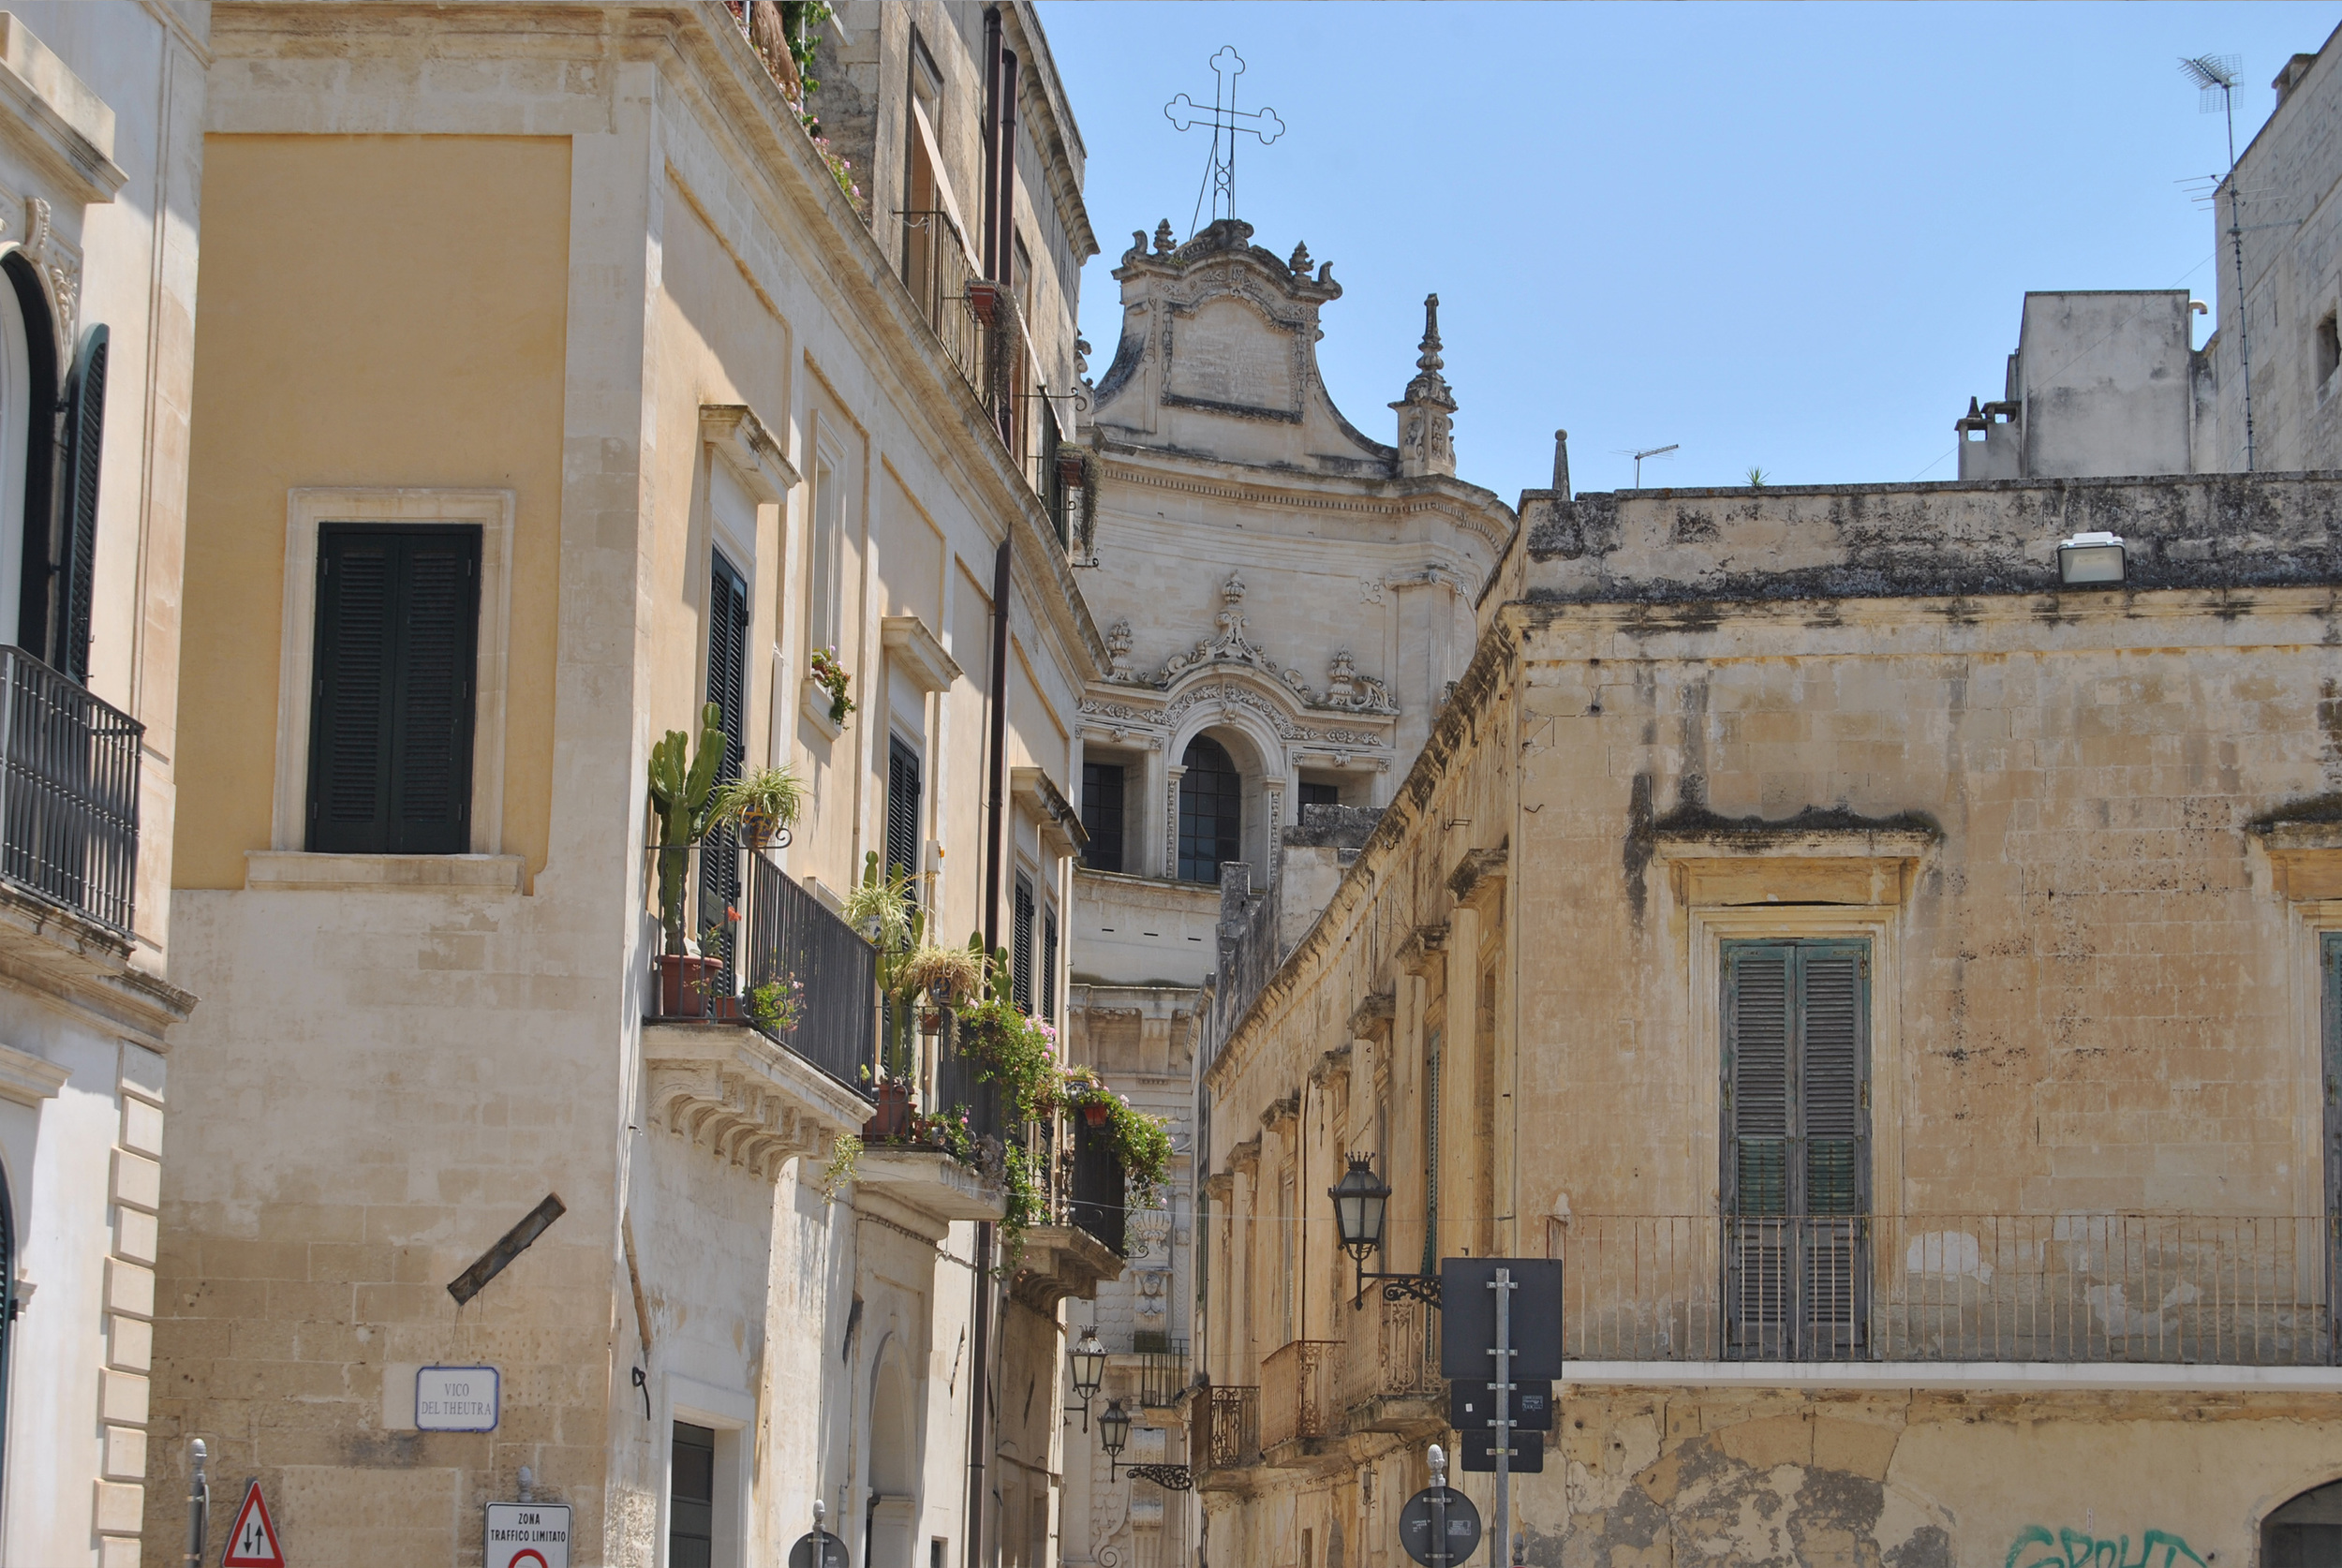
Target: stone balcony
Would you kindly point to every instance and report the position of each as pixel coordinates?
(1063, 1261)
(930, 1181)
(748, 1101)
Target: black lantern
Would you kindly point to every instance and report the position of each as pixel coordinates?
(1361, 1201)
(1089, 1359)
(1114, 1432)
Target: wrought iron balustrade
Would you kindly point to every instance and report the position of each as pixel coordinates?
(1095, 1188)
(69, 793)
(1391, 1354)
(1226, 1428)
(960, 1089)
(1163, 1377)
(1297, 1391)
(2226, 1289)
(771, 957)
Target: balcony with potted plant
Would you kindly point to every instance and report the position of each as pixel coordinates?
(759, 1013)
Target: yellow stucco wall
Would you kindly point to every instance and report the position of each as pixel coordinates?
(377, 311)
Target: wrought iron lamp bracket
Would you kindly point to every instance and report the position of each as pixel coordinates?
(1178, 1478)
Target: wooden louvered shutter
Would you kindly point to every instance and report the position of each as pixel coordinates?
(390, 723)
(84, 447)
(728, 689)
(1020, 957)
(1795, 1160)
(1049, 963)
(903, 808)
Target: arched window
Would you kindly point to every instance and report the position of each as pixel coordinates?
(28, 383)
(2307, 1533)
(1211, 811)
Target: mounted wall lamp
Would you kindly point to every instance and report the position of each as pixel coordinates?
(1088, 1360)
(1114, 1433)
(1361, 1204)
(2090, 560)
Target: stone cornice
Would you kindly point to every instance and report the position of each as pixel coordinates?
(79, 967)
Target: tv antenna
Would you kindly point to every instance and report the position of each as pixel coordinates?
(1226, 121)
(2214, 75)
(1647, 451)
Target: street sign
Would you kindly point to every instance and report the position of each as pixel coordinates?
(830, 1552)
(528, 1535)
(1417, 1534)
(252, 1538)
(1477, 1449)
(457, 1398)
(1470, 1405)
(1467, 1330)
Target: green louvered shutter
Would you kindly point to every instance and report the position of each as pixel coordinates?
(1795, 1147)
(84, 449)
(728, 689)
(391, 701)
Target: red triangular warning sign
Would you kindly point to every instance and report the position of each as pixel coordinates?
(252, 1538)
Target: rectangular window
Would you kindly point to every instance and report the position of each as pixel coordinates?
(902, 808)
(728, 689)
(1796, 1105)
(1314, 793)
(1102, 814)
(1020, 950)
(692, 1497)
(824, 577)
(1049, 963)
(390, 725)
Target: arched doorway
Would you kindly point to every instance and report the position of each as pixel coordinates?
(2306, 1532)
(1211, 810)
(887, 1541)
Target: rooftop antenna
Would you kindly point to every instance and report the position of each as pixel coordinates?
(2214, 75)
(1647, 451)
(1225, 121)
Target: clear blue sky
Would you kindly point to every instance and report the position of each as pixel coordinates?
(1790, 236)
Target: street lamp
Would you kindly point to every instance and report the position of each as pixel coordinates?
(1089, 1359)
(1114, 1431)
(1362, 1203)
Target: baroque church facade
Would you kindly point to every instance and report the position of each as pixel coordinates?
(1287, 603)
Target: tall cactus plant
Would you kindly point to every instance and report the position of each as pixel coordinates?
(681, 790)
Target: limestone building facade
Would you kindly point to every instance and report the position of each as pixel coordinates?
(1285, 603)
(101, 150)
(1900, 988)
(671, 405)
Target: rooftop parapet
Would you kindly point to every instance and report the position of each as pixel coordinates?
(1963, 540)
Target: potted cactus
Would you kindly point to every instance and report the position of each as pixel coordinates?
(681, 793)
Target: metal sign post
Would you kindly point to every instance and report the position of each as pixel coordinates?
(1501, 1391)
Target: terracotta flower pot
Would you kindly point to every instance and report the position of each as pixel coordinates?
(1095, 1113)
(684, 983)
(892, 1119)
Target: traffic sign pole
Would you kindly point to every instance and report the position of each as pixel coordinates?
(1439, 1509)
(1501, 1389)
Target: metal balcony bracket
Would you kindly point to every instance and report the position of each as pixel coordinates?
(1399, 1287)
(1178, 1478)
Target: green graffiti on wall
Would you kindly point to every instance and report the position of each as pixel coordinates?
(2036, 1547)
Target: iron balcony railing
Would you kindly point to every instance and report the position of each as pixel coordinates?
(766, 954)
(1094, 1187)
(2248, 1290)
(69, 793)
(1392, 1353)
(958, 1090)
(1225, 1427)
(1162, 1372)
(938, 275)
(1297, 1391)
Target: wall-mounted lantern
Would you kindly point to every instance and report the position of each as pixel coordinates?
(1114, 1432)
(1361, 1204)
(1088, 1360)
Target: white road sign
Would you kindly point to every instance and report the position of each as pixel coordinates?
(528, 1535)
(457, 1399)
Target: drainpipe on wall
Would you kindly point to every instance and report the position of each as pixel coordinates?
(994, 777)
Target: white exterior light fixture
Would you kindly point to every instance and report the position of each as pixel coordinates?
(2090, 560)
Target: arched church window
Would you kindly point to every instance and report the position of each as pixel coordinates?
(1211, 811)
(2307, 1533)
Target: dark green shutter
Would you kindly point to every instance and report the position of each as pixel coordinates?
(728, 689)
(1796, 1172)
(903, 808)
(1049, 963)
(1020, 957)
(391, 722)
(84, 449)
